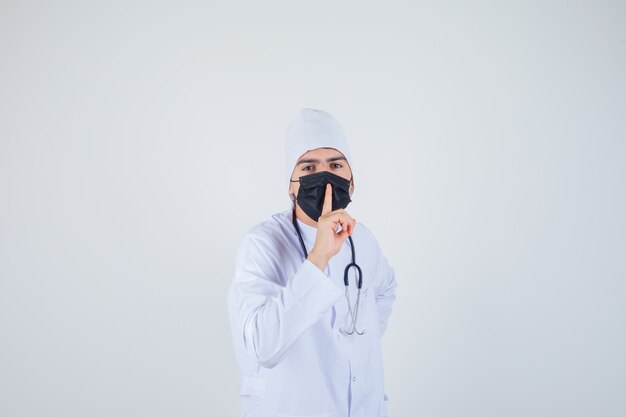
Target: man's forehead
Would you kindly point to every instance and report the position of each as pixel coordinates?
(321, 153)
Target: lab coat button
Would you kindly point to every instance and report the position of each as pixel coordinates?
(354, 379)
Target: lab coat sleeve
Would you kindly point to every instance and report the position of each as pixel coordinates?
(271, 311)
(386, 292)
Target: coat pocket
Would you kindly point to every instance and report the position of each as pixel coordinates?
(252, 394)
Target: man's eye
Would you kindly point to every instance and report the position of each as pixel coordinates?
(307, 168)
(336, 165)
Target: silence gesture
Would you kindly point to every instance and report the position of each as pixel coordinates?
(330, 236)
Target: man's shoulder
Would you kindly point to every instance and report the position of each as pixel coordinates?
(363, 231)
(365, 237)
(267, 243)
(271, 229)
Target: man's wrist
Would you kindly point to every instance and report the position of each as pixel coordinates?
(319, 261)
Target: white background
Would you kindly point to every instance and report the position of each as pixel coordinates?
(140, 140)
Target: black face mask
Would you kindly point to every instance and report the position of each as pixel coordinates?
(313, 188)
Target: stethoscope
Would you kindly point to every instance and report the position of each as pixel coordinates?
(354, 312)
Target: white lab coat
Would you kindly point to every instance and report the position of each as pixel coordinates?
(286, 317)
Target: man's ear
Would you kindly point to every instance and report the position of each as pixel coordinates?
(291, 191)
(351, 190)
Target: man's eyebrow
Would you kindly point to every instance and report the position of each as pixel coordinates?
(308, 161)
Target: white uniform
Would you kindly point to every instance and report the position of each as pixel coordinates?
(286, 317)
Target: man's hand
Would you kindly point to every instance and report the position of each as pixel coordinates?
(328, 241)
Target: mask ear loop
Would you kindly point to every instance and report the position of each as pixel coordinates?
(293, 196)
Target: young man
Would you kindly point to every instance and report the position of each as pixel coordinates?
(312, 294)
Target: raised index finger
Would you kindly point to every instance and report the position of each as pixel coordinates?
(328, 200)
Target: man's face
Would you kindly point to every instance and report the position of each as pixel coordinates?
(318, 160)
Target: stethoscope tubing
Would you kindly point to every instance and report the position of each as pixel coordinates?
(353, 312)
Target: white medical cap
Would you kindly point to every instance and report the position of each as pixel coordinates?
(312, 129)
